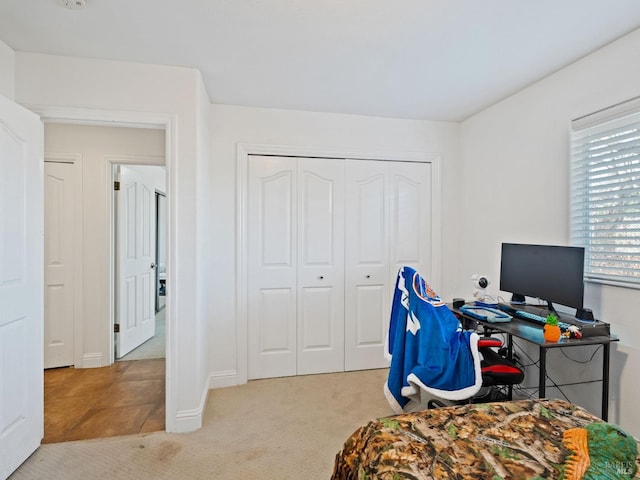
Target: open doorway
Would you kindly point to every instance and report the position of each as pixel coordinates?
(93, 340)
(139, 261)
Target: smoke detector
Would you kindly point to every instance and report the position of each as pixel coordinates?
(72, 4)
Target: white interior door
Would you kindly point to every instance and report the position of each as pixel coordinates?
(272, 272)
(320, 303)
(135, 264)
(59, 261)
(366, 263)
(21, 285)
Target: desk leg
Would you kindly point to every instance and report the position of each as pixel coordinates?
(510, 357)
(543, 373)
(605, 381)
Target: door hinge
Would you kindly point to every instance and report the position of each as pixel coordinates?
(116, 185)
(116, 328)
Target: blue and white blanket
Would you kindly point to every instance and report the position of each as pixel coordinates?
(427, 347)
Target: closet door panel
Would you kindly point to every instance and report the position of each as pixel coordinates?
(369, 303)
(366, 263)
(410, 217)
(316, 310)
(273, 329)
(272, 266)
(320, 265)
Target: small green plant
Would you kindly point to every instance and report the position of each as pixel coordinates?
(552, 319)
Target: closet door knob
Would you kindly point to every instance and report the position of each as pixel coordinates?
(321, 277)
(368, 276)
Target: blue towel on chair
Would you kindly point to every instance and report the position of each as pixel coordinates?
(427, 347)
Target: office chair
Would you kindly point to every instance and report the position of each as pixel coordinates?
(430, 352)
(498, 372)
(499, 375)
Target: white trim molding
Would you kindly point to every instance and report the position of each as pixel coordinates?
(222, 379)
(191, 420)
(93, 360)
(137, 119)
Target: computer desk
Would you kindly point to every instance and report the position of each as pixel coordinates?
(532, 333)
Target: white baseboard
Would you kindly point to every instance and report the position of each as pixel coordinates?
(189, 420)
(93, 360)
(221, 379)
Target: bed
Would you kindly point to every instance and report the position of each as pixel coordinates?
(520, 439)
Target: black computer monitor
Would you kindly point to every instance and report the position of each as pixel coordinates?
(552, 273)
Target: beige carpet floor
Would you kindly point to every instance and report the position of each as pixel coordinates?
(274, 429)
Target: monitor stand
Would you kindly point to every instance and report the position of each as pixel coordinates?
(552, 309)
(517, 299)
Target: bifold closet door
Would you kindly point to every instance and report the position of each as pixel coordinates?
(295, 266)
(320, 324)
(388, 208)
(366, 263)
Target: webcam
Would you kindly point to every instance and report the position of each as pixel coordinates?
(480, 281)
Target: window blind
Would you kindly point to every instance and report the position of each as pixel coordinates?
(605, 193)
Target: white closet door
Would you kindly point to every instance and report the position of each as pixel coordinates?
(411, 204)
(59, 263)
(366, 264)
(320, 319)
(272, 270)
(325, 240)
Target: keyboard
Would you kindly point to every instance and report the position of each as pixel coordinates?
(539, 319)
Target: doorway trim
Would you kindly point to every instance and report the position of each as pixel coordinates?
(244, 150)
(132, 119)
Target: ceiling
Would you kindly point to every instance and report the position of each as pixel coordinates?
(419, 59)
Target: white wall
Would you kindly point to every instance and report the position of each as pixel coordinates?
(515, 185)
(93, 146)
(523, 140)
(320, 131)
(207, 232)
(130, 92)
(7, 71)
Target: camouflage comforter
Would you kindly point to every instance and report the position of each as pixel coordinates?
(508, 440)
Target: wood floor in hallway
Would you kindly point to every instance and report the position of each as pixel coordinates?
(122, 399)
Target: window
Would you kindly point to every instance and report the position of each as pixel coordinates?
(605, 193)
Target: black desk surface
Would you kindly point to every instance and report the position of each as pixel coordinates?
(532, 332)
